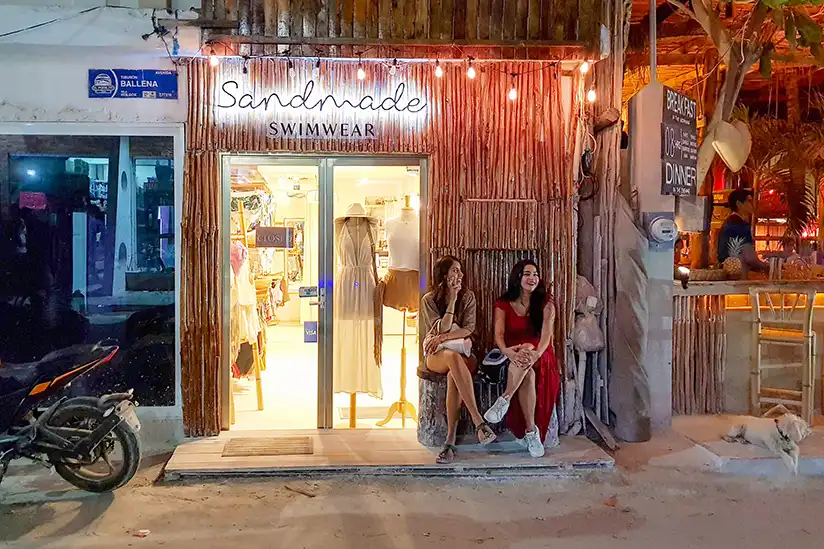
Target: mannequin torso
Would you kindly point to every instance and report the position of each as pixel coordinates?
(403, 239)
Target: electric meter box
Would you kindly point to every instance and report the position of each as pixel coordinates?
(661, 230)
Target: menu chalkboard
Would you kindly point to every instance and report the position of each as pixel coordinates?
(679, 145)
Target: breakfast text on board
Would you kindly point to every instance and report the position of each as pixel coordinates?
(679, 145)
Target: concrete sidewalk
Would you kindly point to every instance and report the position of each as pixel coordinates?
(694, 443)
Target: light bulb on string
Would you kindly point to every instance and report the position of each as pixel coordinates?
(393, 68)
(584, 68)
(361, 72)
(470, 71)
(316, 69)
(214, 60)
(513, 92)
(290, 68)
(438, 69)
(591, 95)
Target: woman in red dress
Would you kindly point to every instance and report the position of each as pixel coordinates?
(524, 326)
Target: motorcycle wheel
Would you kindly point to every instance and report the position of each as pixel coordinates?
(88, 416)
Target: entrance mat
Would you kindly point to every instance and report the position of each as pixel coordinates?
(269, 446)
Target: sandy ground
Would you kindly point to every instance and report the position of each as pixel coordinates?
(637, 506)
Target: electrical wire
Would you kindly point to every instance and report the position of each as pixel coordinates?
(59, 20)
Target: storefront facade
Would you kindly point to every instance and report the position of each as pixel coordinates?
(90, 205)
(490, 178)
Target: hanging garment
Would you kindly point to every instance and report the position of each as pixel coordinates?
(234, 319)
(238, 256)
(284, 290)
(399, 290)
(246, 306)
(276, 293)
(355, 367)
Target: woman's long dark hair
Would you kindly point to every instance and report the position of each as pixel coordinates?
(439, 283)
(537, 300)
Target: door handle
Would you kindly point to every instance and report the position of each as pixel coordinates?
(314, 303)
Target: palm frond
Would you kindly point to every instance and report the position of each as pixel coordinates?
(783, 158)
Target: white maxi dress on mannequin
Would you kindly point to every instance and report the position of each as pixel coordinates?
(354, 364)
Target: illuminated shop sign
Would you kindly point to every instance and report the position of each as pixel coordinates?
(313, 113)
(309, 100)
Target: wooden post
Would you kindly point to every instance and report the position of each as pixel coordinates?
(793, 103)
(353, 410)
(700, 243)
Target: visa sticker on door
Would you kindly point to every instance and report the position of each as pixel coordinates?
(310, 332)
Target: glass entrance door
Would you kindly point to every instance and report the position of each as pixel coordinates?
(274, 302)
(322, 282)
(377, 286)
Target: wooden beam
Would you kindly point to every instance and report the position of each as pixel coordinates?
(397, 43)
(635, 60)
(202, 23)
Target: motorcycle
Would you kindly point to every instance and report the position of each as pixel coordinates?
(76, 436)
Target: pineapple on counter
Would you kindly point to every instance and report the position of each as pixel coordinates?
(733, 265)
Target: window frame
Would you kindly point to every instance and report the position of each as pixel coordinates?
(96, 129)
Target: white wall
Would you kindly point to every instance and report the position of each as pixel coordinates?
(36, 89)
(45, 71)
(109, 27)
(82, 4)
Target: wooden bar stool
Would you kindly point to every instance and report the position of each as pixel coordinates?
(782, 316)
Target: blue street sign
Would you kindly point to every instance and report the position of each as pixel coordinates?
(131, 83)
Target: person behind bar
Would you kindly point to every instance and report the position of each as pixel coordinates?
(736, 233)
(447, 316)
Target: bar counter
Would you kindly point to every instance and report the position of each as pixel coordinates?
(711, 343)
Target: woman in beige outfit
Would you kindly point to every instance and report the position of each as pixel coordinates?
(447, 316)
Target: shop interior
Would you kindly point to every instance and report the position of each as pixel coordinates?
(274, 303)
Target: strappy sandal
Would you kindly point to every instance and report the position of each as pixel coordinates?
(485, 434)
(446, 455)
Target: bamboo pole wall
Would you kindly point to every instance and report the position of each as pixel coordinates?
(500, 185)
(699, 349)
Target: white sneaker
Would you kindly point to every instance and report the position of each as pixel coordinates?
(533, 444)
(498, 411)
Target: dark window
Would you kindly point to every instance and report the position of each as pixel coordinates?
(87, 253)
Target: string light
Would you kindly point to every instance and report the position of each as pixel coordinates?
(290, 68)
(584, 68)
(438, 69)
(470, 72)
(591, 96)
(316, 69)
(513, 93)
(361, 72)
(214, 60)
(393, 68)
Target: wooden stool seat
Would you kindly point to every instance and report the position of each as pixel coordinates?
(782, 335)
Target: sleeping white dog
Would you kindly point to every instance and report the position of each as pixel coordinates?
(780, 435)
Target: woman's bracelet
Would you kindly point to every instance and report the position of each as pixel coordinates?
(448, 312)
